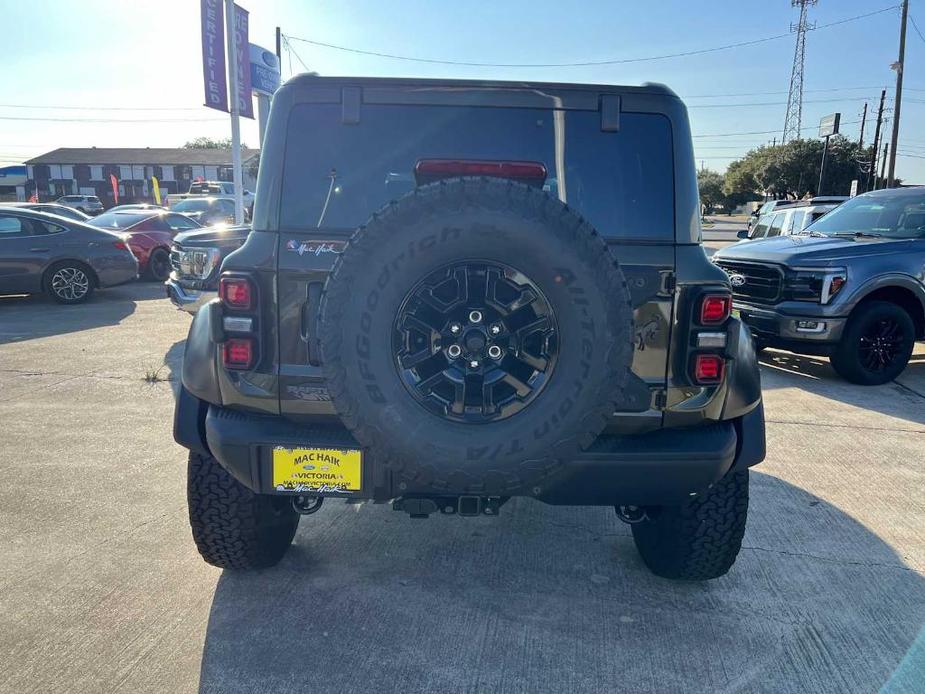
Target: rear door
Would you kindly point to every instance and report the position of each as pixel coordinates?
(351, 151)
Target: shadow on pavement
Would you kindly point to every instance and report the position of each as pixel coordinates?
(902, 398)
(29, 317)
(546, 599)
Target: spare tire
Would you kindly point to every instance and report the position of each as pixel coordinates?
(424, 298)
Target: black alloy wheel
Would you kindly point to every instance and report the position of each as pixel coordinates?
(880, 344)
(159, 264)
(475, 341)
(876, 344)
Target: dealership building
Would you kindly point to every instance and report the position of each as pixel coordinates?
(87, 171)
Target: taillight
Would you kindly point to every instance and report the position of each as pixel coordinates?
(236, 293)
(715, 309)
(708, 369)
(238, 353)
(429, 170)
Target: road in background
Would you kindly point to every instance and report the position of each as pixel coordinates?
(101, 588)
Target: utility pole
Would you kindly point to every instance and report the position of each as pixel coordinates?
(897, 102)
(237, 173)
(886, 148)
(861, 144)
(279, 46)
(872, 173)
(794, 118)
(863, 123)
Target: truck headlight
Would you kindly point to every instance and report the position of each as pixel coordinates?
(819, 285)
(200, 262)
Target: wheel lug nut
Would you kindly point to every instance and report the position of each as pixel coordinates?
(474, 364)
(475, 316)
(454, 351)
(494, 352)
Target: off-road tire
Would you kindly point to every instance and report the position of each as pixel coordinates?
(65, 266)
(233, 527)
(701, 538)
(846, 358)
(478, 220)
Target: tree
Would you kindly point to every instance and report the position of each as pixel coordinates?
(710, 185)
(210, 143)
(792, 170)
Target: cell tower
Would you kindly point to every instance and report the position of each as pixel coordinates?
(793, 121)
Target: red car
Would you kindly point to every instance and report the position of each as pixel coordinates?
(148, 234)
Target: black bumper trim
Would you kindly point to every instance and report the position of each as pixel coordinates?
(661, 467)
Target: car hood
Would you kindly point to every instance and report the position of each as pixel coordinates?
(212, 236)
(817, 250)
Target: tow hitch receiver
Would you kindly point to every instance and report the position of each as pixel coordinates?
(422, 507)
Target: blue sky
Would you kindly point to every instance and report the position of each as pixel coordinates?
(96, 53)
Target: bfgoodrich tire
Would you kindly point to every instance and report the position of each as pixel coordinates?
(701, 538)
(876, 345)
(234, 528)
(490, 260)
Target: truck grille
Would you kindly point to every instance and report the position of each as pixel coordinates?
(762, 282)
(175, 258)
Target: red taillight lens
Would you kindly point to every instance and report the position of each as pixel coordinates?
(120, 245)
(236, 292)
(238, 353)
(714, 309)
(428, 170)
(708, 368)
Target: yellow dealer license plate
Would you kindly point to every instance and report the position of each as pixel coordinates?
(317, 470)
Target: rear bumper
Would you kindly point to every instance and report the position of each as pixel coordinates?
(116, 270)
(775, 327)
(189, 300)
(662, 467)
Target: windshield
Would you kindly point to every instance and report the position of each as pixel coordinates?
(900, 216)
(117, 220)
(191, 206)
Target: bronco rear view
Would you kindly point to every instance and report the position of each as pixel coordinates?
(460, 292)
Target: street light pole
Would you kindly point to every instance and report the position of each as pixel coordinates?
(825, 151)
(237, 173)
(897, 102)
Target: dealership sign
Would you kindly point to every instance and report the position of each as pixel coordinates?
(213, 55)
(264, 70)
(828, 125)
(214, 69)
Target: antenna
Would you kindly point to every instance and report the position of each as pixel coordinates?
(794, 119)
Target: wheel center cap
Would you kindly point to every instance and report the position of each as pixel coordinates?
(475, 341)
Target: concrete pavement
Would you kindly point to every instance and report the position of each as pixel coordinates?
(102, 589)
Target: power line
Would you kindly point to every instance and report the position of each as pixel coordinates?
(768, 132)
(293, 51)
(805, 91)
(583, 63)
(115, 120)
(105, 108)
(779, 103)
(916, 27)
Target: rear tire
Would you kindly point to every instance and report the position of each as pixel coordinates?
(855, 360)
(158, 265)
(69, 282)
(701, 538)
(233, 527)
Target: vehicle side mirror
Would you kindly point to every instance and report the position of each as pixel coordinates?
(742, 234)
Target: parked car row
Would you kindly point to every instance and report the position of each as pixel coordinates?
(849, 285)
(59, 250)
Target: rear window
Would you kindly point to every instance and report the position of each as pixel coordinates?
(622, 182)
(117, 220)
